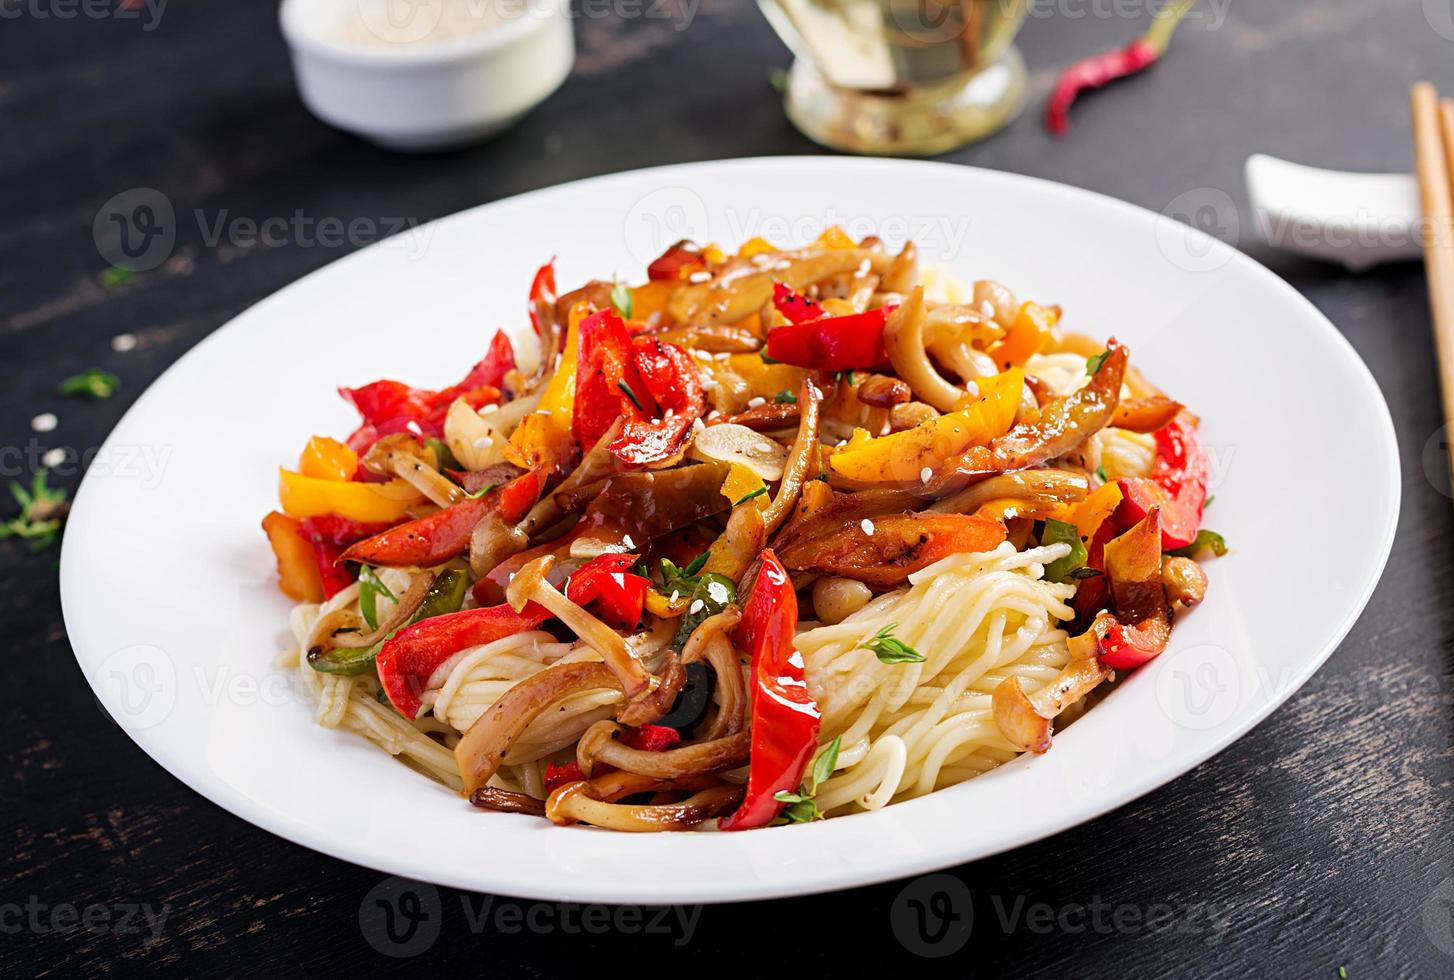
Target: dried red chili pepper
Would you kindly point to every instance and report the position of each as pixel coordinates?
(1102, 69)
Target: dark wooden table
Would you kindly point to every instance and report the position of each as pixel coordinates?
(1322, 839)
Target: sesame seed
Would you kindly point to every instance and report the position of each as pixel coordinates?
(695, 607)
(123, 342)
(724, 355)
(702, 276)
(756, 402)
(714, 414)
(784, 264)
(44, 422)
(675, 595)
(867, 526)
(988, 309)
(487, 409)
(972, 389)
(484, 442)
(926, 474)
(54, 457)
(701, 355)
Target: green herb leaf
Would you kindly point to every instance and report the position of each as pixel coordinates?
(748, 496)
(1208, 502)
(1094, 362)
(804, 811)
(890, 649)
(823, 766)
(765, 359)
(1101, 473)
(487, 488)
(696, 564)
(115, 276)
(42, 512)
(785, 397)
(778, 79)
(710, 594)
(1059, 532)
(622, 299)
(442, 454)
(370, 587)
(626, 389)
(1204, 539)
(91, 383)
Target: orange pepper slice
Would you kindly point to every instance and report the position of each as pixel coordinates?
(327, 459)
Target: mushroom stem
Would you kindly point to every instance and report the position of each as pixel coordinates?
(400, 455)
(530, 585)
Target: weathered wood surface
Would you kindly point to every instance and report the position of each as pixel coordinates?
(1322, 839)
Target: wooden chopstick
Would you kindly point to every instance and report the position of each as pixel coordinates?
(1433, 149)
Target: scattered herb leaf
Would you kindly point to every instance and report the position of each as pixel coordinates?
(890, 649)
(1094, 362)
(748, 496)
(623, 300)
(91, 383)
(778, 79)
(626, 389)
(1101, 473)
(801, 807)
(42, 511)
(115, 276)
(785, 397)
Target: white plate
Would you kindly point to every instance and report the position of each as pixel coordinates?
(168, 584)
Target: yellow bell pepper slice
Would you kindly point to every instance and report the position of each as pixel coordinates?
(1027, 335)
(560, 394)
(834, 237)
(903, 456)
(756, 245)
(327, 459)
(309, 496)
(1092, 512)
(740, 482)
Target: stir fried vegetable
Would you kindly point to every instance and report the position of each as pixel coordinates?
(591, 571)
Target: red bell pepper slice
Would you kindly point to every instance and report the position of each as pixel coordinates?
(1177, 484)
(838, 343)
(556, 776)
(677, 262)
(412, 655)
(671, 381)
(651, 738)
(443, 535)
(330, 535)
(795, 306)
(392, 406)
(785, 718)
(607, 383)
(609, 583)
(542, 290)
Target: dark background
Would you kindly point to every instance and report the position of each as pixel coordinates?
(1320, 840)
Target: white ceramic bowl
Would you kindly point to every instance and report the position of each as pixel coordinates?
(427, 96)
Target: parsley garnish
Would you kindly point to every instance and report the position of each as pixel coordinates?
(626, 389)
(1094, 362)
(115, 276)
(42, 510)
(890, 649)
(1101, 473)
(91, 383)
(622, 299)
(482, 491)
(801, 807)
(370, 587)
(785, 397)
(748, 496)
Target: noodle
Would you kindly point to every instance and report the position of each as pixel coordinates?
(910, 728)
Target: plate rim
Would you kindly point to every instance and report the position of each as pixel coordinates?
(298, 831)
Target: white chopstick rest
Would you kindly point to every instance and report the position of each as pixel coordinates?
(1357, 220)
